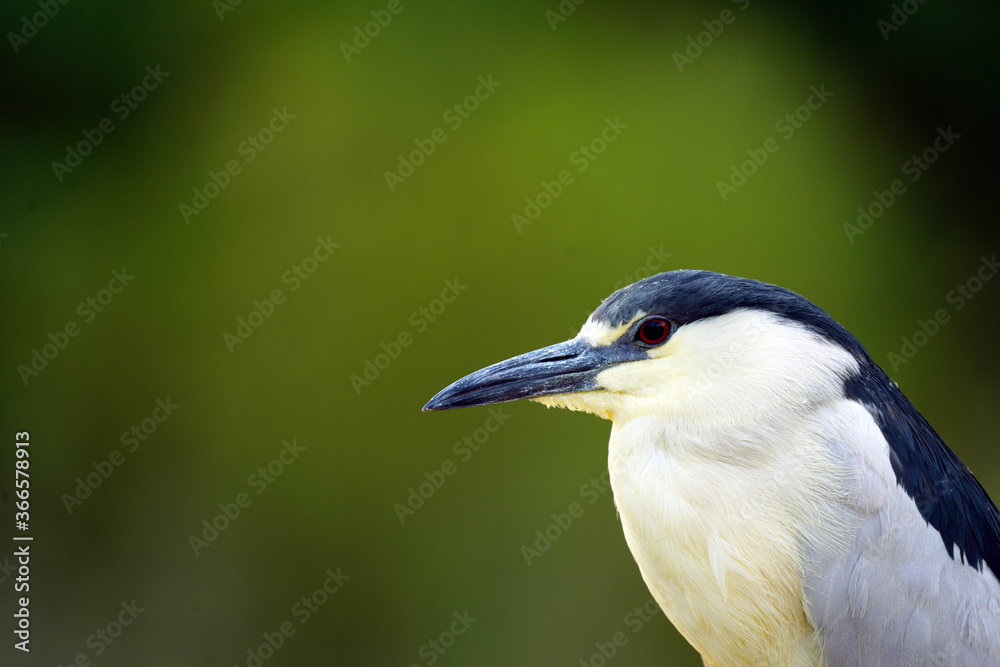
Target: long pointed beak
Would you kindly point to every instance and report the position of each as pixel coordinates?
(564, 368)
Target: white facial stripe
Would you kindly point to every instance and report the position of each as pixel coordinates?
(600, 334)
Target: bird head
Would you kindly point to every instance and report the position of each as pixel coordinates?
(687, 344)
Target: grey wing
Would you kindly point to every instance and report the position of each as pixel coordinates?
(895, 596)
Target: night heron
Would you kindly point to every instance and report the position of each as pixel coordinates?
(785, 502)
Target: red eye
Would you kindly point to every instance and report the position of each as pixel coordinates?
(654, 331)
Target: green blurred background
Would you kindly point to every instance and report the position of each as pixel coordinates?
(650, 199)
